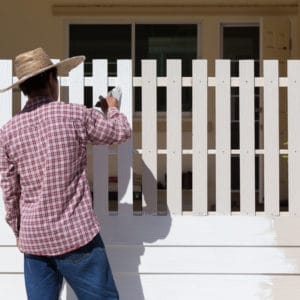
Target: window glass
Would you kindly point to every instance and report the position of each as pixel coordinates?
(156, 41)
(162, 42)
(109, 42)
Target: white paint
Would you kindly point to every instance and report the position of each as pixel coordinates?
(11, 260)
(176, 286)
(223, 133)
(247, 138)
(174, 159)
(149, 141)
(76, 90)
(271, 138)
(12, 287)
(200, 164)
(209, 287)
(293, 136)
(125, 172)
(200, 231)
(6, 97)
(100, 153)
(6, 236)
(204, 260)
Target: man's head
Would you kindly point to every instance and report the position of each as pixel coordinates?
(43, 83)
(35, 63)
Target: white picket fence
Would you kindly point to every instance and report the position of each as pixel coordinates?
(219, 250)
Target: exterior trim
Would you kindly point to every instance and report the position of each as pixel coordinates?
(184, 9)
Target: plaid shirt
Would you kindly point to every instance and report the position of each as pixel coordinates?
(43, 164)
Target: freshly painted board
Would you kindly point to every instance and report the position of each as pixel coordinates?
(201, 231)
(149, 141)
(125, 172)
(271, 138)
(76, 84)
(100, 152)
(293, 136)
(208, 287)
(247, 138)
(174, 135)
(223, 134)
(12, 287)
(182, 286)
(204, 260)
(200, 155)
(6, 236)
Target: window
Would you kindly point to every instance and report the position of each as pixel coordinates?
(137, 42)
(100, 41)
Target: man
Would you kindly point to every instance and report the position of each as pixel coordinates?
(44, 181)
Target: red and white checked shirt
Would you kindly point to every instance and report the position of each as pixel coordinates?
(43, 165)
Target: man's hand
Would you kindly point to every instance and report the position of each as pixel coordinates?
(112, 102)
(107, 102)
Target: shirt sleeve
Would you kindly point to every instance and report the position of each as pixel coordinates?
(10, 185)
(114, 129)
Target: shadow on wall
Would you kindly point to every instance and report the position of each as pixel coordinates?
(125, 237)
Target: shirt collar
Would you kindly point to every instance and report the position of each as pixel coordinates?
(34, 103)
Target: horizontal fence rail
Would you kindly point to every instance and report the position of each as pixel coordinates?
(149, 152)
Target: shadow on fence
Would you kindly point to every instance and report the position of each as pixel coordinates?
(125, 237)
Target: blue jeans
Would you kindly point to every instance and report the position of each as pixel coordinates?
(86, 270)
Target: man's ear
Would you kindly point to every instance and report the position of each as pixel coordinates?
(52, 78)
(53, 85)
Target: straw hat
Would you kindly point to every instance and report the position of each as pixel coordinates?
(34, 62)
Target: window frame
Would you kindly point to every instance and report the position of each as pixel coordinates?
(133, 24)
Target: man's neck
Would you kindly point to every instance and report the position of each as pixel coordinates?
(40, 93)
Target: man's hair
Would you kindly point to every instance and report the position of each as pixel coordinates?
(38, 82)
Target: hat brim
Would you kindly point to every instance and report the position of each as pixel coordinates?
(63, 68)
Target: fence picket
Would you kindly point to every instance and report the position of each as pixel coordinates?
(223, 134)
(271, 137)
(6, 79)
(174, 133)
(76, 85)
(293, 136)
(100, 153)
(149, 141)
(125, 180)
(200, 137)
(199, 82)
(247, 138)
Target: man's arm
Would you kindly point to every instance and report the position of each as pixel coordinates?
(11, 189)
(114, 129)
